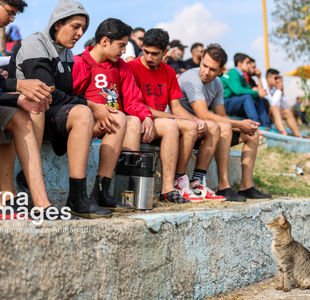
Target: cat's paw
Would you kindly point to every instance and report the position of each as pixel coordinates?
(286, 290)
(279, 288)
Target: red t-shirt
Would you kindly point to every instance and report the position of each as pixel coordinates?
(108, 83)
(158, 86)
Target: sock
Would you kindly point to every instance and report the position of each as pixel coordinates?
(199, 174)
(177, 176)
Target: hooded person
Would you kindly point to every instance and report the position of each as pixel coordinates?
(69, 123)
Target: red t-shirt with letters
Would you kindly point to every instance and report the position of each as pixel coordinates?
(108, 83)
(158, 86)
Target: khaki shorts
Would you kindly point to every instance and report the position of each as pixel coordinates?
(6, 114)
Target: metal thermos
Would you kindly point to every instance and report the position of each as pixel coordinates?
(134, 172)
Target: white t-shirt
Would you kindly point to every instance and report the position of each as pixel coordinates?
(275, 97)
(130, 51)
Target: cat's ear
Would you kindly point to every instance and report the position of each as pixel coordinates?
(283, 218)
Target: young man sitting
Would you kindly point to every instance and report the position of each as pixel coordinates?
(202, 90)
(103, 77)
(160, 89)
(17, 132)
(273, 84)
(239, 98)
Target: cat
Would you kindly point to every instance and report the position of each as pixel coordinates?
(292, 258)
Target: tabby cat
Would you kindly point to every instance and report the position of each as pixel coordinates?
(292, 258)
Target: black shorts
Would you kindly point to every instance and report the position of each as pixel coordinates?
(234, 140)
(55, 129)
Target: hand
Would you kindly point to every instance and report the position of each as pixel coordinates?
(30, 106)
(262, 93)
(258, 73)
(35, 90)
(202, 126)
(147, 130)
(4, 73)
(103, 115)
(248, 126)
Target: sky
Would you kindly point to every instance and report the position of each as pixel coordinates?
(231, 23)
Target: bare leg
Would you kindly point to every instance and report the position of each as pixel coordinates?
(7, 163)
(277, 119)
(188, 136)
(133, 134)
(38, 122)
(80, 127)
(167, 130)
(111, 146)
(29, 156)
(208, 146)
(248, 157)
(291, 122)
(222, 155)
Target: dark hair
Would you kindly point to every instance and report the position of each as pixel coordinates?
(19, 4)
(196, 45)
(137, 29)
(240, 57)
(252, 59)
(156, 37)
(217, 53)
(114, 29)
(272, 72)
(63, 21)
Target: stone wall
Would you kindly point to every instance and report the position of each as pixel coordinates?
(184, 255)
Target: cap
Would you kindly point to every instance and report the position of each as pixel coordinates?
(177, 44)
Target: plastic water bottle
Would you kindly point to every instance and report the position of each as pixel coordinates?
(299, 169)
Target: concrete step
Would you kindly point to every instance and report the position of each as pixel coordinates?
(56, 171)
(176, 255)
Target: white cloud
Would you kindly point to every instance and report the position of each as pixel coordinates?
(195, 23)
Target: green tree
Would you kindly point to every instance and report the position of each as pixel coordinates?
(292, 31)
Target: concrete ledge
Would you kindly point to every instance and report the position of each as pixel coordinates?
(56, 171)
(186, 255)
(288, 143)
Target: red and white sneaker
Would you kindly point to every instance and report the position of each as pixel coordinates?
(182, 186)
(201, 189)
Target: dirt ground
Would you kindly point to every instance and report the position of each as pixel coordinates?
(265, 290)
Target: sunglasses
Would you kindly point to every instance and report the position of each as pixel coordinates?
(11, 13)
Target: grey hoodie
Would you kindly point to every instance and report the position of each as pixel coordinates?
(41, 58)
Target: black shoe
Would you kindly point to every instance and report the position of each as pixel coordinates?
(253, 193)
(230, 195)
(81, 205)
(21, 180)
(101, 196)
(173, 196)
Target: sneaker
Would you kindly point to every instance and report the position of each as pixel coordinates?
(173, 196)
(253, 193)
(230, 195)
(101, 196)
(182, 186)
(201, 189)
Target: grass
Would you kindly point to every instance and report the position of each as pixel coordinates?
(272, 162)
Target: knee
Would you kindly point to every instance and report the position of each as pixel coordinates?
(121, 120)
(82, 115)
(190, 128)
(225, 128)
(133, 124)
(213, 129)
(253, 139)
(170, 127)
(20, 120)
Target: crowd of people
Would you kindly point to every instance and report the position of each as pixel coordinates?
(130, 87)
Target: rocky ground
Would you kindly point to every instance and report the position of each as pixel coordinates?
(265, 290)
